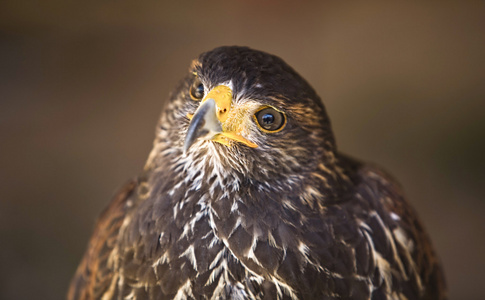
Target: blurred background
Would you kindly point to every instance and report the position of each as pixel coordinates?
(82, 84)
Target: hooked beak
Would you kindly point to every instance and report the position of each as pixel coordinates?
(209, 120)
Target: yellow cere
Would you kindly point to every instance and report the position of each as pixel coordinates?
(223, 97)
(233, 119)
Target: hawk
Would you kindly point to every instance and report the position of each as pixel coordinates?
(245, 196)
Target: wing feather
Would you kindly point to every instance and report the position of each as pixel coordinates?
(410, 251)
(94, 277)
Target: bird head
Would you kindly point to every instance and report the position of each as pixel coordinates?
(246, 112)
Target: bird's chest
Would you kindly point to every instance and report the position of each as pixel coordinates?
(192, 255)
(224, 247)
(204, 240)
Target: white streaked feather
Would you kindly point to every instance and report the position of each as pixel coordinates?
(190, 254)
(184, 291)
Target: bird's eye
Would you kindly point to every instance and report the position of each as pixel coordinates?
(197, 90)
(270, 120)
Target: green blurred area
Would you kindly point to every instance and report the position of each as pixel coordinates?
(83, 83)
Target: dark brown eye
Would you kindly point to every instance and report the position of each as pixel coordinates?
(269, 119)
(197, 90)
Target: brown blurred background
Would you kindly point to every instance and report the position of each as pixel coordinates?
(82, 84)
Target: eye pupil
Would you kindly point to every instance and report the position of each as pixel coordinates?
(197, 90)
(269, 119)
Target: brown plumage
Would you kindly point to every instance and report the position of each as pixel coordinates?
(245, 196)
